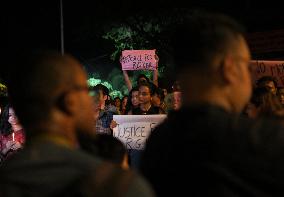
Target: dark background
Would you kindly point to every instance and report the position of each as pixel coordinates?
(28, 25)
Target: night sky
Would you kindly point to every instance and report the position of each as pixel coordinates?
(38, 23)
(32, 25)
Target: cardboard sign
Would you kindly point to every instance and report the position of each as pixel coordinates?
(138, 60)
(133, 130)
(260, 68)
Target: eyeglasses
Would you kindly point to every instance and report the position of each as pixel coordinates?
(78, 88)
(60, 98)
(84, 88)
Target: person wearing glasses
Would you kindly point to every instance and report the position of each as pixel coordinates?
(51, 99)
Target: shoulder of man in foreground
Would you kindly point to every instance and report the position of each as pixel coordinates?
(67, 171)
(111, 180)
(248, 149)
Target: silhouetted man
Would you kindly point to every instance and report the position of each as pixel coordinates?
(50, 96)
(206, 149)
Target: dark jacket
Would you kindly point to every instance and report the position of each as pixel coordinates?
(205, 151)
(47, 169)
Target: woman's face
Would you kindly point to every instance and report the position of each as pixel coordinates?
(281, 95)
(177, 100)
(156, 101)
(124, 101)
(13, 120)
(135, 98)
(144, 95)
(117, 102)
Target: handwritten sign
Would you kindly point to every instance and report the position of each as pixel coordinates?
(260, 68)
(133, 130)
(138, 60)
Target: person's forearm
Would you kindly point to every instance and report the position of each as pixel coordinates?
(155, 77)
(127, 80)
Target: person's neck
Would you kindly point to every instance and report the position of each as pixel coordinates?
(145, 107)
(103, 105)
(60, 135)
(16, 127)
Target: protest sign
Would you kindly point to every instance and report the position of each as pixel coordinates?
(138, 60)
(133, 130)
(260, 68)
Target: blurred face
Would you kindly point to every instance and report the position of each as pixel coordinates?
(144, 95)
(135, 98)
(165, 92)
(124, 101)
(117, 102)
(271, 86)
(13, 120)
(84, 116)
(176, 100)
(251, 110)
(98, 99)
(242, 85)
(281, 95)
(101, 99)
(156, 101)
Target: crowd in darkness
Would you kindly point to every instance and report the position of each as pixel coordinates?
(221, 137)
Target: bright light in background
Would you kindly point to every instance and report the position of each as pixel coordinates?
(115, 81)
(116, 93)
(108, 85)
(3, 90)
(113, 93)
(93, 82)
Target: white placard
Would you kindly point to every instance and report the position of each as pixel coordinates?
(133, 130)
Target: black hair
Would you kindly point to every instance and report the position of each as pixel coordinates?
(117, 98)
(257, 95)
(176, 86)
(110, 148)
(101, 87)
(261, 81)
(129, 105)
(159, 92)
(142, 76)
(203, 36)
(5, 126)
(34, 80)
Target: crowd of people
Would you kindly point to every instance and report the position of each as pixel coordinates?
(221, 137)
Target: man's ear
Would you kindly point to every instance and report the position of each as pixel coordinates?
(229, 70)
(105, 97)
(67, 103)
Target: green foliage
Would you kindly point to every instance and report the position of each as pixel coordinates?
(142, 32)
(122, 39)
(93, 82)
(116, 93)
(3, 90)
(108, 85)
(134, 34)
